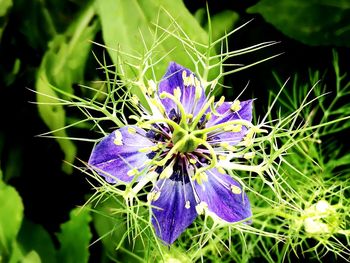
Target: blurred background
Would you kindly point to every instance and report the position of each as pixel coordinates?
(30, 32)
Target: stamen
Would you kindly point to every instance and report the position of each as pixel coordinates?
(135, 100)
(187, 205)
(171, 123)
(167, 172)
(220, 102)
(149, 149)
(183, 121)
(132, 172)
(131, 130)
(235, 189)
(118, 138)
(213, 160)
(200, 178)
(201, 113)
(201, 207)
(249, 155)
(221, 170)
(177, 93)
(233, 128)
(153, 196)
(152, 87)
(236, 106)
(170, 154)
(158, 105)
(149, 177)
(228, 147)
(223, 125)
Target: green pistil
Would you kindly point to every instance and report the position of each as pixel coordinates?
(188, 142)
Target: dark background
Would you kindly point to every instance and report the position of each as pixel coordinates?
(49, 194)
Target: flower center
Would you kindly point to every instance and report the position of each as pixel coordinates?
(187, 141)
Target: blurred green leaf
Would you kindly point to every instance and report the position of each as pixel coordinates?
(130, 27)
(314, 22)
(62, 66)
(4, 6)
(75, 237)
(35, 25)
(11, 215)
(16, 254)
(35, 237)
(123, 31)
(112, 229)
(222, 23)
(31, 257)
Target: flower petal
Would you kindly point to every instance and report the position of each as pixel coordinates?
(172, 80)
(224, 197)
(119, 153)
(244, 113)
(170, 215)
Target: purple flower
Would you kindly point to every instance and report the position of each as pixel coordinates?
(178, 147)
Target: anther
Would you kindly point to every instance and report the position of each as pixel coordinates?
(118, 138)
(236, 106)
(235, 189)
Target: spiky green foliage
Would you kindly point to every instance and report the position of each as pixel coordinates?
(287, 169)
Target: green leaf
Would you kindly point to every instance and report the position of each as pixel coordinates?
(31, 257)
(222, 23)
(75, 237)
(110, 227)
(35, 237)
(123, 31)
(5, 5)
(62, 66)
(11, 215)
(314, 22)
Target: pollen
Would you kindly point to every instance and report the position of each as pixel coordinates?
(222, 157)
(221, 101)
(177, 93)
(249, 155)
(221, 170)
(236, 105)
(135, 100)
(131, 130)
(152, 87)
(118, 138)
(193, 161)
(201, 207)
(236, 128)
(153, 196)
(228, 147)
(167, 172)
(198, 91)
(235, 189)
(233, 128)
(132, 172)
(187, 205)
(200, 178)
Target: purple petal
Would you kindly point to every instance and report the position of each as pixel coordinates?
(221, 200)
(245, 113)
(173, 79)
(170, 216)
(119, 153)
